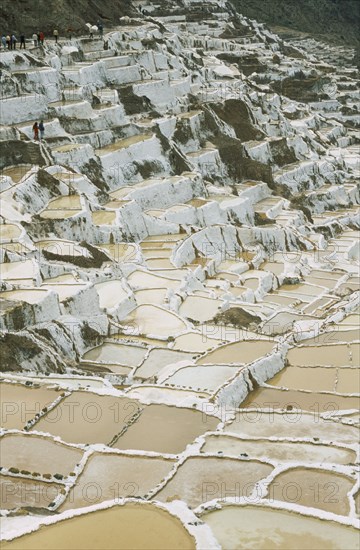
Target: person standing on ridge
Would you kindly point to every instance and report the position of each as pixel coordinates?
(3, 41)
(42, 130)
(35, 39)
(56, 35)
(8, 42)
(13, 42)
(22, 41)
(41, 38)
(36, 131)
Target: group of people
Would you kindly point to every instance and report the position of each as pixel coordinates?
(9, 41)
(38, 38)
(99, 27)
(39, 128)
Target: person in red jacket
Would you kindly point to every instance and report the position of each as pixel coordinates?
(36, 131)
(41, 38)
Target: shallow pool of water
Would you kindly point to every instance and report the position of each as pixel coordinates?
(159, 359)
(238, 352)
(19, 403)
(154, 320)
(103, 217)
(38, 454)
(201, 479)
(282, 451)
(121, 354)
(110, 293)
(113, 529)
(337, 355)
(260, 528)
(108, 476)
(203, 378)
(85, 417)
(165, 429)
(314, 488)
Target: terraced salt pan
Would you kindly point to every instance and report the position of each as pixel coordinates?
(103, 217)
(159, 263)
(207, 378)
(337, 355)
(195, 342)
(19, 493)
(62, 207)
(333, 335)
(165, 429)
(201, 479)
(38, 454)
(280, 299)
(273, 398)
(200, 309)
(134, 339)
(120, 354)
(110, 293)
(21, 403)
(16, 173)
(9, 231)
(151, 296)
(158, 359)
(313, 487)
(154, 320)
(65, 278)
(281, 451)
(34, 296)
(17, 270)
(260, 528)
(306, 378)
(341, 380)
(118, 476)
(113, 529)
(238, 352)
(123, 144)
(348, 381)
(85, 417)
(141, 279)
(303, 425)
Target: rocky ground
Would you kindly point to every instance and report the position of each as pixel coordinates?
(179, 295)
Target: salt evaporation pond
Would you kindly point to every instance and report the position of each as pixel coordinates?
(112, 529)
(264, 528)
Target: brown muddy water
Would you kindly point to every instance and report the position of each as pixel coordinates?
(260, 528)
(19, 403)
(165, 429)
(201, 479)
(128, 527)
(109, 476)
(85, 417)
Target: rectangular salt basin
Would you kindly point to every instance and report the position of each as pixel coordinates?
(19, 403)
(165, 429)
(107, 476)
(282, 451)
(337, 355)
(85, 417)
(294, 424)
(273, 398)
(265, 528)
(38, 454)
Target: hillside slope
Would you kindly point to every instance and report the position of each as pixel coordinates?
(23, 16)
(333, 20)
